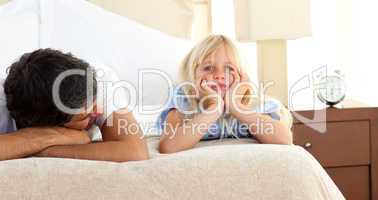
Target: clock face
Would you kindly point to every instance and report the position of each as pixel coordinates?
(331, 90)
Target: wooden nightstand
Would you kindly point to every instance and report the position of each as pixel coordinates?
(348, 149)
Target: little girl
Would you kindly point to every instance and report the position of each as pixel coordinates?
(214, 100)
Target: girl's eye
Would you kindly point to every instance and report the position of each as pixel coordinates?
(208, 68)
(229, 67)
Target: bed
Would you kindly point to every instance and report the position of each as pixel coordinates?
(212, 170)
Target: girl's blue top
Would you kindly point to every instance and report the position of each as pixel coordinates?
(232, 128)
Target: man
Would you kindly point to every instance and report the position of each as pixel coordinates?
(33, 124)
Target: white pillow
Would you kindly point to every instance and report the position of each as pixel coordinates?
(19, 25)
(90, 32)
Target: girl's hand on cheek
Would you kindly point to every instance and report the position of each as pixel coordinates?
(210, 100)
(235, 97)
(228, 102)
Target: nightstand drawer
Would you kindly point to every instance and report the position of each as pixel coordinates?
(353, 182)
(343, 144)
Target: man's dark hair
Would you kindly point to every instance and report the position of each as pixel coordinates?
(29, 84)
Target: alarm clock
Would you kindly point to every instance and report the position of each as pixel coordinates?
(331, 89)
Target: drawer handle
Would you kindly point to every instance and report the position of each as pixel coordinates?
(307, 145)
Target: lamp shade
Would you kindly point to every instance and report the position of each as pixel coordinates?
(272, 19)
(174, 17)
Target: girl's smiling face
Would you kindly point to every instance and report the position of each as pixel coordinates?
(218, 70)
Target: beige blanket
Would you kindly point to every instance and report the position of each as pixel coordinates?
(213, 170)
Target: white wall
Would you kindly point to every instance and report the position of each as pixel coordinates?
(345, 38)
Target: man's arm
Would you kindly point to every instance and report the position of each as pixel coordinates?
(28, 141)
(122, 141)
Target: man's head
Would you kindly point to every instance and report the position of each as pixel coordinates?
(29, 88)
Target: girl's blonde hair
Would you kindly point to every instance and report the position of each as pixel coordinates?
(197, 56)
